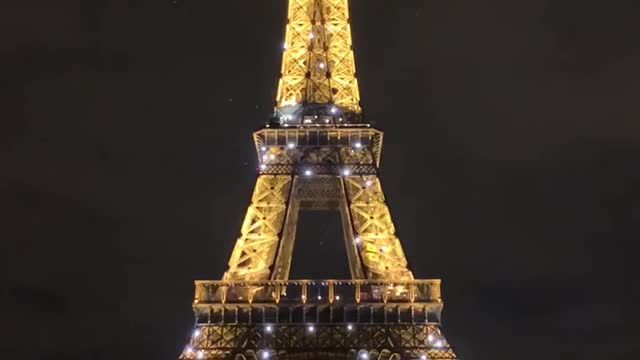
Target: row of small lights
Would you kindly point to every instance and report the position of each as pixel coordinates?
(291, 146)
(363, 354)
(334, 109)
(309, 172)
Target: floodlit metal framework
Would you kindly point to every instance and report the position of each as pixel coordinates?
(323, 319)
(318, 153)
(318, 64)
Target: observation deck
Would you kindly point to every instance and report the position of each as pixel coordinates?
(343, 319)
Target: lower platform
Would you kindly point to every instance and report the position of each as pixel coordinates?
(327, 319)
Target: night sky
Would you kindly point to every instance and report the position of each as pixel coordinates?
(510, 165)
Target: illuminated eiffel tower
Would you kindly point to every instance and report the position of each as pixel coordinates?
(317, 152)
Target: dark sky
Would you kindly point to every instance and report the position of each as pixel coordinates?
(510, 165)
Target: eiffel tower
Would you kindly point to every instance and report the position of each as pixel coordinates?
(317, 152)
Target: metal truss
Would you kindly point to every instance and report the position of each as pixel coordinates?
(255, 249)
(380, 249)
(351, 145)
(352, 319)
(318, 153)
(318, 65)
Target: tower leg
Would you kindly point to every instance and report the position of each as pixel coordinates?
(255, 249)
(380, 249)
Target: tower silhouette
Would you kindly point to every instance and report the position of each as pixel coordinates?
(318, 152)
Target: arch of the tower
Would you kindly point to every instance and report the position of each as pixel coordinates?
(268, 235)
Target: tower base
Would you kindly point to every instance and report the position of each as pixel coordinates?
(324, 319)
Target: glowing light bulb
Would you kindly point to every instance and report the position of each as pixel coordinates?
(334, 110)
(349, 327)
(319, 297)
(263, 167)
(268, 328)
(265, 354)
(337, 297)
(285, 46)
(438, 344)
(263, 148)
(346, 172)
(358, 240)
(189, 350)
(357, 145)
(423, 357)
(368, 183)
(311, 36)
(430, 338)
(196, 332)
(200, 354)
(291, 145)
(308, 172)
(311, 328)
(363, 354)
(321, 65)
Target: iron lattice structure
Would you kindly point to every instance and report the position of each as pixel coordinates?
(318, 153)
(318, 65)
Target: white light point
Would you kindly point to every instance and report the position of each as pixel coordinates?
(346, 172)
(349, 327)
(337, 297)
(311, 328)
(272, 156)
(358, 240)
(285, 46)
(430, 338)
(364, 354)
(200, 354)
(334, 110)
(308, 172)
(268, 329)
(357, 145)
(196, 332)
(291, 145)
(311, 36)
(438, 344)
(263, 167)
(263, 148)
(189, 350)
(319, 297)
(368, 183)
(423, 357)
(321, 65)
(265, 354)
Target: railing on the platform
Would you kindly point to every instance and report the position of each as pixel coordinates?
(317, 292)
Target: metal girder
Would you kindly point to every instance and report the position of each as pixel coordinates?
(318, 65)
(321, 341)
(256, 247)
(380, 249)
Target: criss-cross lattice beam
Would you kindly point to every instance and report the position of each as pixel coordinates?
(255, 249)
(380, 249)
(318, 65)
